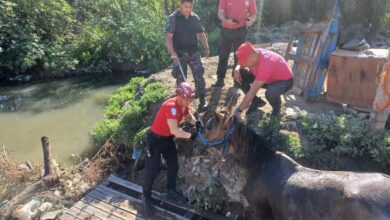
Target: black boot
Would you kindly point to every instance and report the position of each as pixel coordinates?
(203, 104)
(149, 210)
(220, 83)
(175, 196)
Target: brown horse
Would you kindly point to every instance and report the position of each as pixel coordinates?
(280, 187)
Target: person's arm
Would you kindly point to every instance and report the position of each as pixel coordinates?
(256, 85)
(169, 44)
(203, 39)
(237, 75)
(252, 13)
(176, 131)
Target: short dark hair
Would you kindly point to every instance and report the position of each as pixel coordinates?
(182, 1)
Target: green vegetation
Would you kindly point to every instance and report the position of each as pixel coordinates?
(269, 129)
(37, 36)
(126, 111)
(347, 135)
(211, 197)
(48, 37)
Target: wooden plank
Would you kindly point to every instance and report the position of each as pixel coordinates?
(161, 214)
(120, 203)
(127, 184)
(80, 214)
(301, 59)
(67, 216)
(109, 208)
(353, 81)
(312, 28)
(158, 195)
(89, 208)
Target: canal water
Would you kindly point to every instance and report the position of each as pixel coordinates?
(63, 110)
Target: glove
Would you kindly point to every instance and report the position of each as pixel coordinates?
(199, 126)
(193, 136)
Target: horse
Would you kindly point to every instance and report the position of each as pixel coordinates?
(280, 188)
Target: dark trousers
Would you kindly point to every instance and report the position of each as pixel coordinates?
(230, 39)
(193, 60)
(273, 90)
(158, 146)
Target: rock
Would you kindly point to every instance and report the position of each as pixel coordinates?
(292, 112)
(3, 202)
(28, 211)
(51, 215)
(45, 206)
(58, 193)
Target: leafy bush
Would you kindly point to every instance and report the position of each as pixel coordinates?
(35, 34)
(103, 131)
(270, 130)
(139, 140)
(347, 135)
(129, 124)
(123, 32)
(129, 105)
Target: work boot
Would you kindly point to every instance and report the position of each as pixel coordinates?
(220, 83)
(175, 196)
(149, 210)
(256, 103)
(203, 104)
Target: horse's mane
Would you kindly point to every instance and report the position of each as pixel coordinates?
(253, 149)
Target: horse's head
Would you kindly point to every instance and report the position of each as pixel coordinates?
(220, 128)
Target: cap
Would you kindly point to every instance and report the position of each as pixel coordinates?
(243, 53)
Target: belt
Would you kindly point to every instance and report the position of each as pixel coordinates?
(159, 136)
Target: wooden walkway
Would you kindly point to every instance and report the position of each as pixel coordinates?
(118, 199)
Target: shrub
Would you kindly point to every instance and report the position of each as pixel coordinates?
(347, 135)
(270, 130)
(129, 105)
(103, 131)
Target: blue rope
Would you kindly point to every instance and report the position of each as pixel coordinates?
(224, 141)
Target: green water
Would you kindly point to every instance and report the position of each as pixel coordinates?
(64, 110)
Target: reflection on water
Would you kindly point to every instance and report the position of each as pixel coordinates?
(64, 110)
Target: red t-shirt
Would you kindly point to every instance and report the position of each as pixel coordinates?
(239, 10)
(170, 109)
(271, 67)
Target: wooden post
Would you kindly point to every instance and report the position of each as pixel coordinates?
(378, 118)
(47, 156)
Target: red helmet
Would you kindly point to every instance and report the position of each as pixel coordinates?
(186, 90)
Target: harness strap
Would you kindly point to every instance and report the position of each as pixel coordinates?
(224, 141)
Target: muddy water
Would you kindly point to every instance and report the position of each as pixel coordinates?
(64, 110)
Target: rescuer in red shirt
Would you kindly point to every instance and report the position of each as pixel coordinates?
(161, 142)
(260, 68)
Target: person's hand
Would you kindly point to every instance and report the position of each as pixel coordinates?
(237, 76)
(249, 21)
(229, 21)
(193, 135)
(175, 59)
(199, 125)
(237, 112)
